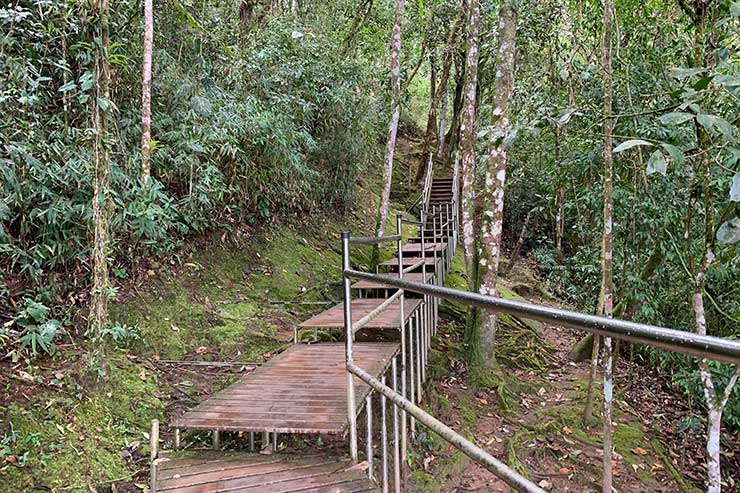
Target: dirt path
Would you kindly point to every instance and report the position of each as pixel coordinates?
(537, 428)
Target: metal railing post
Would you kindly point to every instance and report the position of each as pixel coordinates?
(384, 439)
(154, 454)
(369, 415)
(349, 338)
(396, 449)
(402, 323)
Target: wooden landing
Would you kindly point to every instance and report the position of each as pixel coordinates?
(390, 318)
(279, 473)
(428, 247)
(302, 390)
(411, 276)
(409, 261)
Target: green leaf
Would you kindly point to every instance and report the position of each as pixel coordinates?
(684, 73)
(702, 83)
(676, 154)
(628, 144)
(735, 188)
(715, 123)
(735, 9)
(729, 232)
(675, 118)
(728, 81)
(656, 163)
(69, 86)
(103, 104)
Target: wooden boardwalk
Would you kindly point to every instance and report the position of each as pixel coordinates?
(411, 276)
(390, 318)
(206, 472)
(302, 390)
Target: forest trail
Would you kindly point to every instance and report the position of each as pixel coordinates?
(537, 428)
(303, 390)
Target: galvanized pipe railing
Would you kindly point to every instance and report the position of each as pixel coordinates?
(501, 470)
(702, 346)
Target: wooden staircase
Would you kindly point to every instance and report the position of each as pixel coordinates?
(304, 390)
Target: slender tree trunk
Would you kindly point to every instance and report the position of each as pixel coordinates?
(492, 198)
(442, 124)
(101, 205)
(439, 93)
(519, 241)
(560, 202)
(607, 282)
(362, 12)
(146, 94)
(467, 159)
(395, 115)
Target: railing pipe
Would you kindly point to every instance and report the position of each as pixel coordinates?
(476, 453)
(371, 240)
(402, 326)
(349, 337)
(698, 345)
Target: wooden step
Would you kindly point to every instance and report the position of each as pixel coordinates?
(209, 472)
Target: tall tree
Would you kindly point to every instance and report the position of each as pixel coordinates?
(467, 158)
(703, 15)
(395, 115)
(607, 282)
(101, 204)
(492, 197)
(146, 93)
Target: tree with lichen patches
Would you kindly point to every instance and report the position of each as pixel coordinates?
(467, 157)
(101, 202)
(492, 193)
(395, 46)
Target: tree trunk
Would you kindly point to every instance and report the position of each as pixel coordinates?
(560, 202)
(395, 115)
(467, 149)
(492, 198)
(519, 241)
(607, 282)
(439, 93)
(101, 205)
(451, 141)
(362, 12)
(146, 94)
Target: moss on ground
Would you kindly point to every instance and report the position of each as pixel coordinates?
(72, 440)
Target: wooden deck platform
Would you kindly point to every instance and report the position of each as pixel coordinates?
(302, 390)
(428, 247)
(390, 318)
(409, 261)
(209, 472)
(411, 276)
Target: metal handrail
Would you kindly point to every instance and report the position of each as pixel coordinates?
(473, 451)
(427, 184)
(371, 240)
(702, 346)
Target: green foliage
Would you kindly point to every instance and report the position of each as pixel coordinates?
(245, 128)
(38, 330)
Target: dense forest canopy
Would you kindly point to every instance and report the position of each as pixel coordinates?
(267, 110)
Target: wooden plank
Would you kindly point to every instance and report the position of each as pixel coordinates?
(411, 276)
(302, 390)
(388, 319)
(253, 473)
(407, 261)
(428, 247)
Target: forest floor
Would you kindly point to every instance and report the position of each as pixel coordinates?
(531, 416)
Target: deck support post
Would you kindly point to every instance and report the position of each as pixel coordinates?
(396, 450)
(216, 440)
(177, 438)
(349, 339)
(274, 441)
(419, 366)
(369, 440)
(154, 454)
(251, 441)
